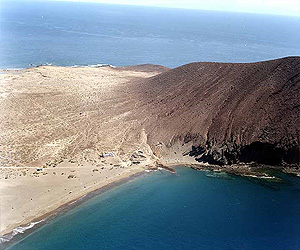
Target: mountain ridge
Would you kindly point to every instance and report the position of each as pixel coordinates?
(221, 108)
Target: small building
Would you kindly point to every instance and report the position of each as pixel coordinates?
(107, 154)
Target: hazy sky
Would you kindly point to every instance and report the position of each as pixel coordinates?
(281, 7)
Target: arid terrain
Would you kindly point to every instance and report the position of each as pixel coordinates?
(227, 113)
(66, 131)
(55, 125)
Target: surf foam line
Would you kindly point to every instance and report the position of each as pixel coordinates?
(32, 65)
(18, 230)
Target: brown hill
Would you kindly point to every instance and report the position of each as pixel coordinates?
(225, 113)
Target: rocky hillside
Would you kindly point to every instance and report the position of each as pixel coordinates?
(225, 113)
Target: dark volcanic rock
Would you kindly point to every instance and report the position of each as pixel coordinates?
(229, 112)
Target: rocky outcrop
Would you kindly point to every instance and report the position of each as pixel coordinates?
(226, 112)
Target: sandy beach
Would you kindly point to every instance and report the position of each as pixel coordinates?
(64, 133)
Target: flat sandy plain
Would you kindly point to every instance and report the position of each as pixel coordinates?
(55, 124)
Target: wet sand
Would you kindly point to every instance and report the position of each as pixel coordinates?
(24, 230)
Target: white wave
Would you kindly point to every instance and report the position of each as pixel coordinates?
(99, 65)
(18, 230)
(32, 65)
(259, 176)
(11, 69)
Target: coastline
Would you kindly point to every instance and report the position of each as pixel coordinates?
(8, 236)
(58, 209)
(259, 171)
(97, 65)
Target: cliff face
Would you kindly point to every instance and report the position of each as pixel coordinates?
(226, 112)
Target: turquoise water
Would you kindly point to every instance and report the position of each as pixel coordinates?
(67, 34)
(187, 210)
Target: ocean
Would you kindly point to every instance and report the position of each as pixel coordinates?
(188, 210)
(67, 34)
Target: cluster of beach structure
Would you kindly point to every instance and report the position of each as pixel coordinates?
(136, 158)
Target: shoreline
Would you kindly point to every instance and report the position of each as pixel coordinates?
(97, 65)
(244, 170)
(39, 221)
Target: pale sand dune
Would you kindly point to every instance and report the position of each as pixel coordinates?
(61, 120)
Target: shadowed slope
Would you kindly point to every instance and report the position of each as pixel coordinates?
(226, 112)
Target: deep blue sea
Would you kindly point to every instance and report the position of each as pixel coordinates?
(187, 210)
(67, 34)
